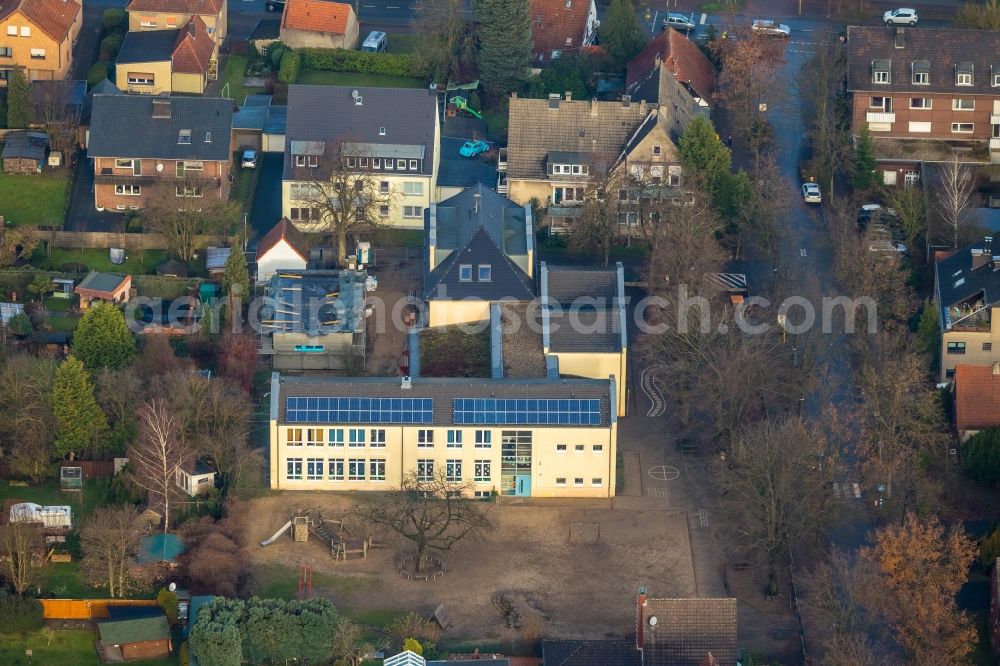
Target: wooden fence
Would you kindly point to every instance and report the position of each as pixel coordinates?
(86, 609)
(108, 239)
(92, 469)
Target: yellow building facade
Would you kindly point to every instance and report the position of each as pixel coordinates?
(39, 40)
(342, 433)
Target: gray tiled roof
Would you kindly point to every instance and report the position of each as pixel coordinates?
(600, 129)
(507, 280)
(444, 391)
(568, 283)
(597, 331)
(329, 113)
(147, 46)
(101, 282)
(686, 630)
(124, 126)
(943, 48)
(968, 272)
(25, 145)
(457, 220)
(590, 653)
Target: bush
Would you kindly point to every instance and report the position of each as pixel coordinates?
(19, 615)
(363, 62)
(989, 548)
(169, 602)
(273, 54)
(97, 73)
(114, 20)
(981, 457)
(289, 69)
(110, 46)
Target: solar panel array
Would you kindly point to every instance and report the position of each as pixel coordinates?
(360, 410)
(495, 411)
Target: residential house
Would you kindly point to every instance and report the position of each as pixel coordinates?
(135, 639)
(24, 152)
(967, 293)
(282, 248)
(176, 145)
(584, 322)
(590, 653)
(524, 437)
(37, 36)
(562, 150)
(172, 14)
(932, 89)
(673, 73)
(388, 134)
(686, 632)
(104, 87)
(319, 24)
(480, 250)
(195, 477)
(561, 27)
(164, 61)
(314, 320)
(103, 287)
(977, 398)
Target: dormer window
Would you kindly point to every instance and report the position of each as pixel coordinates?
(963, 74)
(381, 131)
(922, 73)
(184, 136)
(465, 273)
(882, 71)
(485, 272)
(995, 76)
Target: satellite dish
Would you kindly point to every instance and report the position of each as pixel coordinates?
(652, 621)
(159, 167)
(354, 94)
(173, 587)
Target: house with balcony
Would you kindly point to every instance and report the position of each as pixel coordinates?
(924, 94)
(562, 150)
(390, 136)
(562, 27)
(167, 61)
(967, 291)
(37, 37)
(143, 146)
(146, 15)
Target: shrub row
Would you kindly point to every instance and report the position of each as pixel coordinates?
(363, 62)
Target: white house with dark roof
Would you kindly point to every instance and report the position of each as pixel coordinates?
(480, 250)
(390, 134)
(282, 248)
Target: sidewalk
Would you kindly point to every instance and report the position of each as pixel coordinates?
(810, 8)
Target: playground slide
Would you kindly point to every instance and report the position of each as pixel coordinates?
(277, 534)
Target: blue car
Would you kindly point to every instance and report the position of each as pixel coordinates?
(473, 148)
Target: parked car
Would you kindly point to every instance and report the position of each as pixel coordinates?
(679, 22)
(887, 246)
(375, 42)
(875, 214)
(473, 148)
(901, 16)
(811, 193)
(769, 27)
(275, 5)
(249, 159)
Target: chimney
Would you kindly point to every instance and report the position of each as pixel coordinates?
(642, 106)
(593, 107)
(568, 95)
(640, 620)
(356, 96)
(406, 383)
(190, 27)
(553, 101)
(476, 197)
(900, 37)
(626, 101)
(996, 368)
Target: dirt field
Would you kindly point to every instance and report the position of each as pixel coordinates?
(398, 275)
(582, 588)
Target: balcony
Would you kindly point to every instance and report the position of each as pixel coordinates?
(880, 117)
(963, 318)
(502, 160)
(994, 144)
(995, 119)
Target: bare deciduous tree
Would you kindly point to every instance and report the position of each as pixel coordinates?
(348, 645)
(342, 196)
(954, 196)
(433, 513)
(160, 452)
(19, 544)
(186, 207)
(110, 539)
(821, 85)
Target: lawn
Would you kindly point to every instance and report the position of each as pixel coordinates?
(67, 647)
(404, 43)
(246, 183)
(53, 304)
(324, 78)
(273, 581)
(34, 200)
(448, 351)
(48, 494)
(63, 581)
(63, 323)
(400, 237)
(232, 73)
(136, 262)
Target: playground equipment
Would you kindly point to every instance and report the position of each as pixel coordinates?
(334, 534)
(462, 104)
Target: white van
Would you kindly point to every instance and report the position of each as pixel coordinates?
(375, 42)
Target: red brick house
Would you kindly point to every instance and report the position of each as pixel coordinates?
(562, 26)
(932, 85)
(977, 398)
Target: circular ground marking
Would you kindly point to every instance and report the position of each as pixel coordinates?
(664, 472)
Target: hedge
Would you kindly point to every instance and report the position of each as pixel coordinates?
(289, 69)
(364, 62)
(19, 614)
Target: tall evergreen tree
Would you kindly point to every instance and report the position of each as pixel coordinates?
(102, 339)
(621, 33)
(863, 176)
(19, 111)
(79, 418)
(236, 281)
(505, 44)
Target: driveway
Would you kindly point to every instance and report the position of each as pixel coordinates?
(266, 209)
(82, 216)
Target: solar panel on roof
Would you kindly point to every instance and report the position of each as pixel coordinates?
(499, 411)
(359, 410)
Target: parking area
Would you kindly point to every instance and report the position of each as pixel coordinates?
(266, 209)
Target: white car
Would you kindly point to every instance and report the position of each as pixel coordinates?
(678, 22)
(811, 193)
(887, 246)
(769, 27)
(249, 159)
(901, 16)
